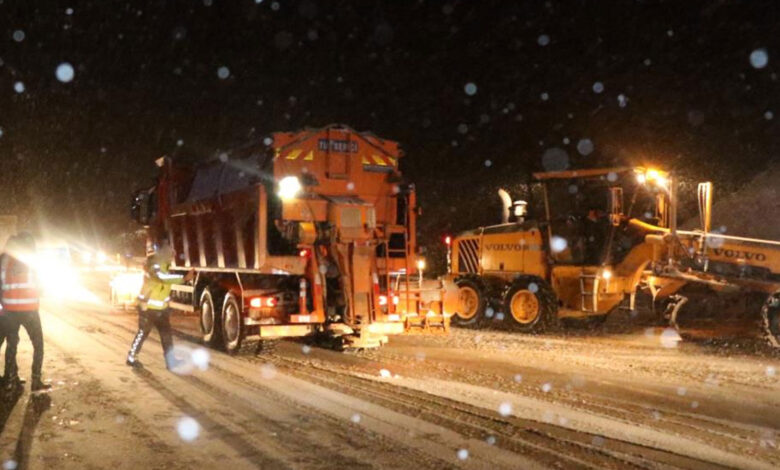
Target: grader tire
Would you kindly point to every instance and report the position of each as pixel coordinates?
(770, 318)
(530, 305)
(472, 303)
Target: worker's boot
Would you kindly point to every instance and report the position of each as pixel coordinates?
(38, 385)
(133, 361)
(13, 383)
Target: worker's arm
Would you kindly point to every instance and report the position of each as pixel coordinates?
(170, 278)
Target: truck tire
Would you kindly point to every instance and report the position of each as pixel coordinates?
(530, 305)
(209, 319)
(472, 301)
(233, 331)
(770, 318)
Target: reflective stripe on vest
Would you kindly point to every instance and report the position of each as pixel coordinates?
(20, 292)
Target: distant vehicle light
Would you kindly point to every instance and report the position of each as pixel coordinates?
(289, 187)
(420, 264)
(448, 240)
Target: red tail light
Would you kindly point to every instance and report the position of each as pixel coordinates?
(448, 240)
(260, 302)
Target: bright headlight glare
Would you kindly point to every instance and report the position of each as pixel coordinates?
(289, 187)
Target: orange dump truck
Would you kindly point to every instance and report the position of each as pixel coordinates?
(310, 233)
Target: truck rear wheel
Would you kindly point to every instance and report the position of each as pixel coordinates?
(471, 303)
(530, 305)
(232, 326)
(209, 320)
(770, 317)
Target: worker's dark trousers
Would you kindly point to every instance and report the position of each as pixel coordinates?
(146, 321)
(31, 321)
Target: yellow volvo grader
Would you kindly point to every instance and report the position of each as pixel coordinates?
(593, 240)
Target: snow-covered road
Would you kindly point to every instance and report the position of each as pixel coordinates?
(473, 399)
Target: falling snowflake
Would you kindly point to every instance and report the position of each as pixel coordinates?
(470, 89)
(518, 378)
(769, 115)
(69, 11)
(18, 35)
(384, 373)
(355, 418)
(463, 454)
(201, 358)
(598, 87)
(558, 244)
(543, 40)
(566, 141)
(669, 338)
(682, 391)
(463, 128)
(491, 440)
(64, 72)
(268, 371)
(533, 287)
(546, 387)
(19, 87)
(759, 58)
(585, 147)
(505, 409)
(622, 100)
(612, 176)
(544, 96)
(179, 143)
(488, 163)
(770, 371)
(555, 159)
(306, 349)
(188, 429)
(223, 72)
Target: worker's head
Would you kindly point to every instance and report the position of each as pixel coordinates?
(161, 258)
(21, 245)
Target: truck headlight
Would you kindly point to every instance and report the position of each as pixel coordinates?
(289, 187)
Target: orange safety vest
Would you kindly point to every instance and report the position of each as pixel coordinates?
(20, 291)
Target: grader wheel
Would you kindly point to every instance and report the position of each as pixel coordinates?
(531, 305)
(472, 302)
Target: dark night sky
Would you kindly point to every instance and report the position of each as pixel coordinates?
(146, 77)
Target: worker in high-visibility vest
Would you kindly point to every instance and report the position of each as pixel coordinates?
(153, 305)
(19, 298)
